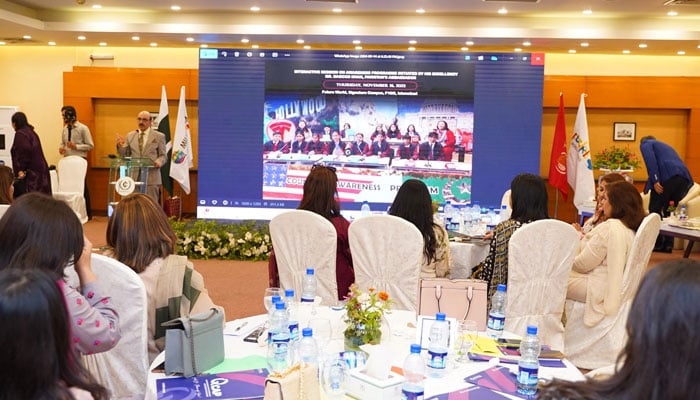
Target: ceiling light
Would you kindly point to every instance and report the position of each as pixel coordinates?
(503, 10)
(2, 43)
(356, 41)
(469, 43)
(26, 37)
(465, 49)
(337, 10)
(103, 44)
(517, 49)
(255, 9)
(154, 44)
(588, 11)
(300, 41)
(527, 44)
(244, 40)
(255, 46)
(81, 37)
(412, 42)
(204, 45)
(96, 6)
(681, 53)
(420, 11)
(190, 39)
(411, 48)
(584, 44)
(52, 43)
(672, 13)
(699, 46)
(642, 45)
(175, 8)
(135, 38)
(358, 47)
(307, 47)
(572, 51)
(626, 52)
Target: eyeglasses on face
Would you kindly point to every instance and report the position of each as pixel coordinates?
(332, 169)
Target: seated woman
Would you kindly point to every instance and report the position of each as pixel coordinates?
(39, 232)
(598, 216)
(657, 361)
(320, 197)
(140, 236)
(528, 199)
(413, 204)
(35, 338)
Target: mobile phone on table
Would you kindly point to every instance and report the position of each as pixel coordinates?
(509, 342)
(253, 336)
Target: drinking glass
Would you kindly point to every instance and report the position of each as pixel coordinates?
(267, 299)
(321, 332)
(466, 337)
(333, 376)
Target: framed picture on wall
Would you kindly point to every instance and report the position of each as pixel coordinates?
(625, 131)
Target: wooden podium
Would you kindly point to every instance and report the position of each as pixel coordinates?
(126, 176)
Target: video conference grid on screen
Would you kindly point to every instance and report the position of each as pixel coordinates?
(463, 123)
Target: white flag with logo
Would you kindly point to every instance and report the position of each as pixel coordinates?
(579, 165)
(181, 160)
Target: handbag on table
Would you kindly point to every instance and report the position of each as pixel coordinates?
(194, 344)
(299, 381)
(461, 299)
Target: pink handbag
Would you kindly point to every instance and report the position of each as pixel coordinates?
(461, 299)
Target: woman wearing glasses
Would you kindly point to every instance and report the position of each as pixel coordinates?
(320, 197)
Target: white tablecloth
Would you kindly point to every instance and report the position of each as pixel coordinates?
(398, 336)
(466, 255)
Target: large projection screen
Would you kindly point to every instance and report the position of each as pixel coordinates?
(267, 117)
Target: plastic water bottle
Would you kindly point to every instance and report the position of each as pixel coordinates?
(505, 213)
(292, 316)
(529, 364)
(497, 313)
(437, 347)
(278, 354)
(683, 214)
(413, 371)
(274, 300)
(308, 287)
(364, 209)
(308, 350)
(449, 215)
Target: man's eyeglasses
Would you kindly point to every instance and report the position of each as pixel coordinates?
(332, 169)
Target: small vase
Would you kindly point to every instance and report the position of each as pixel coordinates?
(356, 335)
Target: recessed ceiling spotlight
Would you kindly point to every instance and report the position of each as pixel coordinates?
(135, 38)
(255, 46)
(642, 45)
(527, 44)
(626, 51)
(681, 53)
(465, 49)
(300, 41)
(306, 47)
(337, 10)
(2, 43)
(356, 41)
(469, 43)
(412, 41)
(411, 48)
(503, 10)
(175, 8)
(96, 6)
(26, 37)
(358, 47)
(204, 45)
(255, 9)
(699, 46)
(517, 49)
(103, 44)
(588, 11)
(420, 11)
(154, 44)
(189, 39)
(244, 40)
(81, 37)
(52, 43)
(584, 44)
(572, 51)
(672, 13)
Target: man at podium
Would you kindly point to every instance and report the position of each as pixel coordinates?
(145, 142)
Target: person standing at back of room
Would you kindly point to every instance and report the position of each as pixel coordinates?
(669, 180)
(28, 161)
(76, 140)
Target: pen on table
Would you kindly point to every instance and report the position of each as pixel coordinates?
(241, 326)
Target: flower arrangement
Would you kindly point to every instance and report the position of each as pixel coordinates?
(615, 158)
(671, 207)
(364, 316)
(203, 239)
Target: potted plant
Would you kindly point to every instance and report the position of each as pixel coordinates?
(615, 159)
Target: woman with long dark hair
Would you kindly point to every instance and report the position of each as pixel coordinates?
(659, 360)
(35, 339)
(28, 160)
(7, 189)
(528, 197)
(413, 203)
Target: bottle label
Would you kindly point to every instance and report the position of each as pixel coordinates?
(294, 331)
(527, 376)
(280, 348)
(496, 322)
(307, 300)
(437, 359)
(406, 395)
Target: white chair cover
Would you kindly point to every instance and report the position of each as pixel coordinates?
(71, 184)
(505, 200)
(598, 346)
(540, 256)
(3, 208)
(387, 253)
(303, 239)
(123, 370)
(53, 174)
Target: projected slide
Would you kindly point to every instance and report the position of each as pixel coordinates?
(267, 117)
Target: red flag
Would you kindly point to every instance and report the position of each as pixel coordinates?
(557, 162)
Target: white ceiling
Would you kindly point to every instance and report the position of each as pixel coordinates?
(550, 25)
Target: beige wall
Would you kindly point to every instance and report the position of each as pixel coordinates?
(31, 78)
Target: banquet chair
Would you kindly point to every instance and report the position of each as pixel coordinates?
(71, 184)
(592, 347)
(303, 239)
(540, 257)
(505, 200)
(387, 253)
(3, 209)
(123, 370)
(53, 174)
